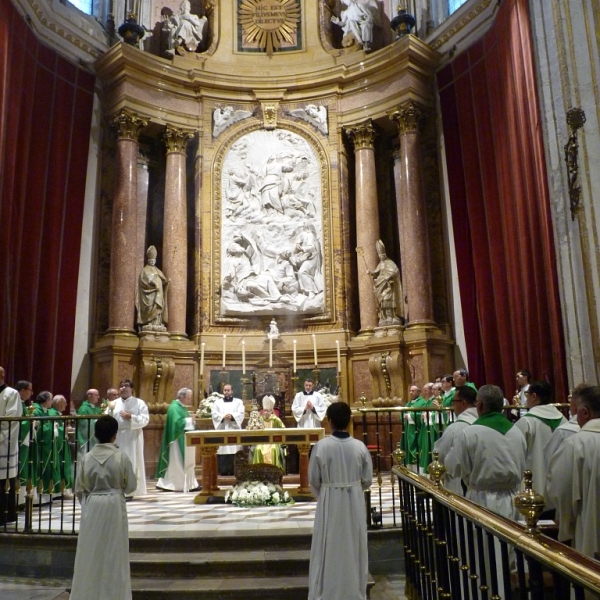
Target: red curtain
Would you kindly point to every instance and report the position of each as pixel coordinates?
(500, 207)
(45, 119)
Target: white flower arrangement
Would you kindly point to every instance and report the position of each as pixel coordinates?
(205, 407)
(328, 397)
(256, 493)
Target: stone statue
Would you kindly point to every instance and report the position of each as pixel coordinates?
(186, 30)
(357, 21)
(313, 114)
(151, 297)
(388, 289)
(273, 333)
(226, 116)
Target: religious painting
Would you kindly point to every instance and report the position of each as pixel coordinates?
(271, 226)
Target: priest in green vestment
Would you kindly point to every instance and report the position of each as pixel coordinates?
(427, 427)
(85, 427)
(411, 421)
(63, 468)
(269, 453)
(43, 448)
(25, 389)
(177, 462)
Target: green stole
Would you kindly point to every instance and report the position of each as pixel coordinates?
(496, 421)
(174, 432)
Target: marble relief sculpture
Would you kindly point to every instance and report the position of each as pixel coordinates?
(313, 114)
(226, 116)
(185, 30)
(388, 289)
(151, 296)
(357, 22)
(272, 259)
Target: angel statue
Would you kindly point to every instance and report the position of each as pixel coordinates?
(186, 30)
(313, 114)
(226, 116)
(357, 22)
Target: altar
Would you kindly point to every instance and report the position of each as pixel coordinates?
(210, 440)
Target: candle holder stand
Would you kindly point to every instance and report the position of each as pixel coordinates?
(223, 374)
(338, 380)
(316, 375)
(245, 381)
(294, 379)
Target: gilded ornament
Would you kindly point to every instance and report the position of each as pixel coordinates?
(436, 470)
(176, 139)
(363, 135)
(128, 125)
(408, 117)
(270, 114)
(530, 504)
(575, 121)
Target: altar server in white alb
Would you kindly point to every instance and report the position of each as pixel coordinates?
(227, 413)
(573, 483)
(340, 469)
(132, 416)
(308, 407)
(104, 476)
(463, 402)
(490, 455)
(10, 406)
(537, 425)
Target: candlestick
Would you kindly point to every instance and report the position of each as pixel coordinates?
(339, 359)
(294, 356)
(270, 352)
(202, 358)
(224, 350)
(314, 338)
(243, 357)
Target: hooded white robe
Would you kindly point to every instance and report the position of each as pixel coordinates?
(101, 570)
(561, 433)
(235, 408)
(339, 470)
(310, 419)
(130, 437)
(573, 486)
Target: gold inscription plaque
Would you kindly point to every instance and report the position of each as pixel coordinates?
(269, 24)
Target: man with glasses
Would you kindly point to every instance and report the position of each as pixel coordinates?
(132, 416)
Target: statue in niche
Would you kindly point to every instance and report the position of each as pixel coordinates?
(357, 22)
(151, 296)
(273, 333)
(313, 114)
(185, 30)
(388, 289)
(226, 116)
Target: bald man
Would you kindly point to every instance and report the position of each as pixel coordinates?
(10, 406)
(85, 427)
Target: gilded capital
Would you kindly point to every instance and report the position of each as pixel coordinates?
(176, 139)
(408, 116)
(363, 135)
(128, 125)
(270, 110)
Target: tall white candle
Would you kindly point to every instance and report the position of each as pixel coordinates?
(202, 358)
(314, 338)
(339, 358)
(243, 357)
(270, 352)
(294, 356)
(224, 350)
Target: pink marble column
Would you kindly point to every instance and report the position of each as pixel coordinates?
(174, 258)
(416, 266)
(198, 241)
(142, 210)
(124, 225)
(367, 221)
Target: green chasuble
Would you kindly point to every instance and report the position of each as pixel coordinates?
(24, 441)
(496, 421)
(412, 422)
(427, 432)
(43, 452)
(471, 385)
(174, 432)
(447, 402)
(269, 453)
(63, 468)
(85, 427)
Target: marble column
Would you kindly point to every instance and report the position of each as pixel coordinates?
(398, 190)
(124, 225)
(412, 210)
(367, 220)
(174, 257)
(142, 210)
(198, 241)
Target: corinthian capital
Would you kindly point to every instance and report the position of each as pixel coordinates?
(362, 135)
(407, 117)
(128, 125)
(176, 139)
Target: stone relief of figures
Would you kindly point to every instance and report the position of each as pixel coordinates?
(151, 296)
(185, 30)
(226, 116)
(313, 114)
(388, 289)
(357, 22)
(272, 259)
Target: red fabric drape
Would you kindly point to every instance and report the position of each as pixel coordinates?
(500, 207)
(45, 119)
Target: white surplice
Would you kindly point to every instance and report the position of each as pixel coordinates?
(491, 464)
(310, 418)
(573, 486)
(102, 560)
(235, 408)
(561, 433)
(339, 470)
(445, 444)
(537, 435)
(10, 406)
(130, 438)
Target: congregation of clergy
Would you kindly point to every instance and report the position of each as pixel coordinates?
(485, 448)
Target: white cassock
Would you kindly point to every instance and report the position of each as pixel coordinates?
(101, 570)
(10, 406)
(310, 418)
(339, 470)
(235, 408)
(573, 486)
(444, 447)
(491, 464)
(130, 437)
(537, 435)
(561, 433)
